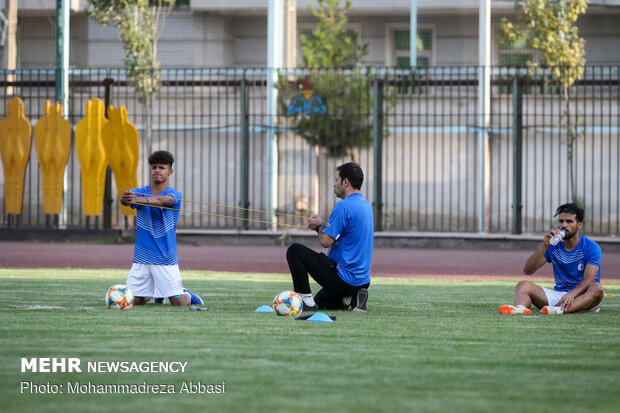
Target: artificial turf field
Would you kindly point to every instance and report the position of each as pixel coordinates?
(424, 345)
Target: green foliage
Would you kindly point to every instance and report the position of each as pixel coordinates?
(334, 55)
(549, 26)
(331, 44)
(347, 124)
(138, 23)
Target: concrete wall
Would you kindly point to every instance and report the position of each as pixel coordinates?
(206, 38)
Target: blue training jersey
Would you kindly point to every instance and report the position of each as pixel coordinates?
(569, 266)
(156, 241)
(351, 225)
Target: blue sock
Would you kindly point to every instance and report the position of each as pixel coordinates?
(195, 298)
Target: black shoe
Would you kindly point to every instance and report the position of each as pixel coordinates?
(362, 297)
(307, 307)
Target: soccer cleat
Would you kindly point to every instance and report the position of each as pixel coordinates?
(549, 309)
(195, 299)
(511, 309)
(361, 299)
(308, 307)
(158, 300)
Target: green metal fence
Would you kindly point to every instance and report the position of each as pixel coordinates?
(415, 133)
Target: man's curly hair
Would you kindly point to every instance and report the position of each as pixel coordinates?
(161, 157)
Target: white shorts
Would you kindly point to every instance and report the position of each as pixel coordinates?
(554, 296)
(159, 281)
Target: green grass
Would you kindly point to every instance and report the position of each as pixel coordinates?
(424, 345)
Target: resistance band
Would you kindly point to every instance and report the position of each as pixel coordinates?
(227, 206)
(224, 206)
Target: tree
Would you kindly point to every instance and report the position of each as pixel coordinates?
(333, 55)
(331, 44)
(549, 26)
(140, 24)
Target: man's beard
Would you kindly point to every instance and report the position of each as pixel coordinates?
(569, 235)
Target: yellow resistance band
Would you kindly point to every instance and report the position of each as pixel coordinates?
(226, 206)
(222, 216)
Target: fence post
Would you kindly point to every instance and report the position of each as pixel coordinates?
(107, 196)
(63, 9)
(378, 153)
(517, 154)
(245, 153)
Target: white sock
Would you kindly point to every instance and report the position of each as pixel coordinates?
(520, 308)
(308, 299)
(555, 310)
(347, 300)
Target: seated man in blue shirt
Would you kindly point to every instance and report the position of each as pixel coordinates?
(576, 269)
(344, 273)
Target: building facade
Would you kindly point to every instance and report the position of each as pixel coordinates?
(233, 33)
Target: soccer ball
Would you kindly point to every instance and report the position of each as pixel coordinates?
(119, 297)
(288, 304)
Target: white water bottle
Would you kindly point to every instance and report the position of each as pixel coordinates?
(557, 237)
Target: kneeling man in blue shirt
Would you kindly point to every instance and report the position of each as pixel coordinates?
(344, 273)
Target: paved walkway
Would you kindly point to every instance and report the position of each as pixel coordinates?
(387, 262)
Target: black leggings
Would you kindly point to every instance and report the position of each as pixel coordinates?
(303, 261)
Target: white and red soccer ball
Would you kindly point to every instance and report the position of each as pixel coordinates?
(288, 304)
(119, 297)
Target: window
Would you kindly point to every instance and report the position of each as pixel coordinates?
(515, 54)
(424, 47)
(398, 54)
(181, 5)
